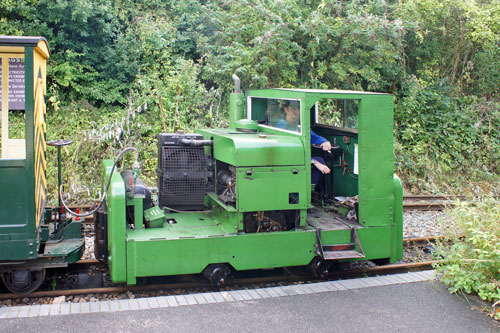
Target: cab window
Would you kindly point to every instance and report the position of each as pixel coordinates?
(342, 113)
(283, 114)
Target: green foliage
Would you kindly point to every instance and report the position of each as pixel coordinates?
(324, 44)
(439, 134)
(454, 39)
(357, 45)
(257, 41)
(440, 59)
(472, 263)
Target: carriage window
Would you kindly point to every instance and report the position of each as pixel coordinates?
(17, 124)
(12, 108)
(278, 113)
(337, 112)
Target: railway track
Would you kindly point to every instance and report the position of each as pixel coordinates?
(89, 265)
(433, 197)
(85, 265)
(197, 285)
(424, 203)
(426, 206)
(429, 202)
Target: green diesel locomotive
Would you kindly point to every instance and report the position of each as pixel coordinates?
(241, 198)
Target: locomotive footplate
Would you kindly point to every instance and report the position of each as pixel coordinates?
(324, 221)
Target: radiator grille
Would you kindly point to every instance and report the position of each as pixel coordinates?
(183, 192)
(183, 158)
(182, 174)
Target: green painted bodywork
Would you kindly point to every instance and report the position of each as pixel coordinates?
(155, 217)
(239, 149)
(116, 204)
(237, 101)
(21, 235)
(273, 173)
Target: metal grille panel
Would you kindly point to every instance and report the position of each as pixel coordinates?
(183, 175)
(176, 158)
(183, 192)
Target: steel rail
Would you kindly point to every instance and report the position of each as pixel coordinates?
(244, 281)
(426, 206)
(433, 197)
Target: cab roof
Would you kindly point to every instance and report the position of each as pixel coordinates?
(330, 91)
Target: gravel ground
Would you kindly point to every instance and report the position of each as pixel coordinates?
(88, 232)
(418, 224)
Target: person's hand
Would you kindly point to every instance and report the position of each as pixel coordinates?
(321, 167)
(327, 146)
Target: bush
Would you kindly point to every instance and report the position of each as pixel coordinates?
(472, 263)
(444, 141)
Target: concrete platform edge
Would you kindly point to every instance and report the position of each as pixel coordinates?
(212, 297)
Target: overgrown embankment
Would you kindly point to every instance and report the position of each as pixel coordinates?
(171, 61)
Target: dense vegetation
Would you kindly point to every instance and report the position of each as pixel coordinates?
(122, 71)
(171, 61)
(472, 263)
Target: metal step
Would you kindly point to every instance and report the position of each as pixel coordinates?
(348, 254)
(340, 251)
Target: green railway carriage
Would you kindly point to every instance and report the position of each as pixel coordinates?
(241, 198)
(29, 243)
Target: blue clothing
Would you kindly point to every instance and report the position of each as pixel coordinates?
(282, 123)
(315, 173)
(316, 139)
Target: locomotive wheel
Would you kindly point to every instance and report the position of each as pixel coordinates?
(217, 274)
(317, 267)
(33, 282)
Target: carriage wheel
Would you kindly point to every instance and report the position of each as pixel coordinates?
(23, 282)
